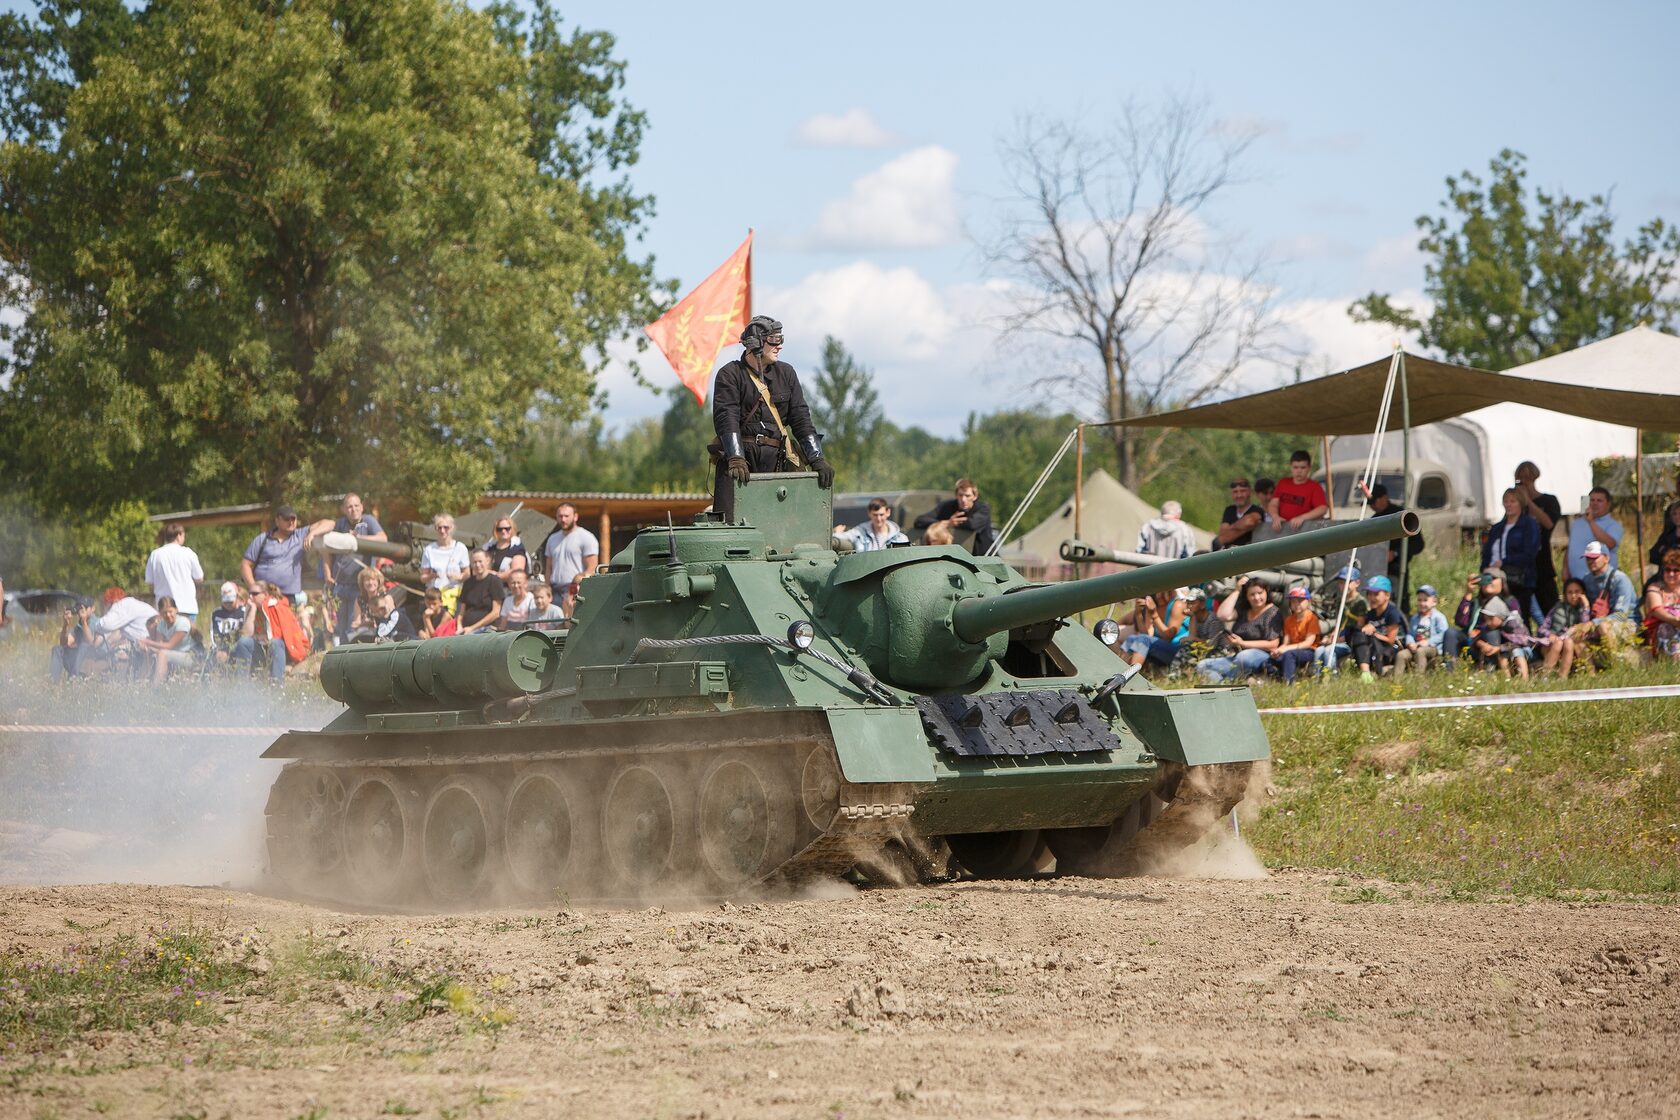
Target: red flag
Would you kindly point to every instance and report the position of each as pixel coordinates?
(694, 332)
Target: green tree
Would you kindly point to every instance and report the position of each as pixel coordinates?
(1512, 279)
(679, 461)
(846, 409)
(276, 249)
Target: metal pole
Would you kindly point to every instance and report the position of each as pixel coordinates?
(1329, 479)
(1078, 480)
(1639, 504)
(1405, 474)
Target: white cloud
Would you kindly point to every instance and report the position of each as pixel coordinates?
(892, 314)
(908, 203)
(855, 128)
(931, 348)
(1332, 341)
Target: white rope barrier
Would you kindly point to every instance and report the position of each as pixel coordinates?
(1562, 696)
(1566, 696)
(101, 729)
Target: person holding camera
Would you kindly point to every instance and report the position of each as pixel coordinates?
(75, 643)
(1161, 629)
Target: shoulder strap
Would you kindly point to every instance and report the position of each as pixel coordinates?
(764, 392)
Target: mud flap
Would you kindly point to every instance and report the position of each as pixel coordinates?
(881, 745)
(1197, 726)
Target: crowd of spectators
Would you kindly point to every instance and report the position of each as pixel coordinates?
(1511, 617)
(267, 622)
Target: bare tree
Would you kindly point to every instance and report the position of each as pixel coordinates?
(1108, 249)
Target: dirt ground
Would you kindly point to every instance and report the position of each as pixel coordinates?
(1300, 995)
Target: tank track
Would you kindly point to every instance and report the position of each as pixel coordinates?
(666, 820)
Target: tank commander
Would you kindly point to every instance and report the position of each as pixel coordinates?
(760, 415)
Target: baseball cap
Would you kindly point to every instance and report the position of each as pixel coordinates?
(1349, 573)
(285, 511)
(1429, 590)
(1379, 583)
(1299, 593)
(1595, 548)
(1496, 608)
(1491, 573)
(230, 592)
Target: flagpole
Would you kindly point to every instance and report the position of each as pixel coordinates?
(752, 247)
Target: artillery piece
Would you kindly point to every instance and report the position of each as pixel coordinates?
(403, 552)
(1308, 572)
(738, 704)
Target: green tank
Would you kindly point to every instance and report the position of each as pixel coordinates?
(738, 705)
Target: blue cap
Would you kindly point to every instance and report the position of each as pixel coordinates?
(1379, 583)
(1349, 573)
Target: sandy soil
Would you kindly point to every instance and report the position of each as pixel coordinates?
(1066, 997)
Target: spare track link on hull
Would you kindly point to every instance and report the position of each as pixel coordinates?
(704, 820)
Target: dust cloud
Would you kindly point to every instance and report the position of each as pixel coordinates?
(80, 808)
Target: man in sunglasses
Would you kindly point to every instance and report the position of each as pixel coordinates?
(506, 550)
(763, 424)
(276, 556)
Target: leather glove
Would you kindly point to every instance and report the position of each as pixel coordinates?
(825, 473)
(738, 470)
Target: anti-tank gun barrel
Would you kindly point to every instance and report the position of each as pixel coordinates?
(976, 619)
(349, 544)
(1078, 552)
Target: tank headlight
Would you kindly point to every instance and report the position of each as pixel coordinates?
(1107, 631)
(801, 634)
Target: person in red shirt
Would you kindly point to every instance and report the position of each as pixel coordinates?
(1297, 499)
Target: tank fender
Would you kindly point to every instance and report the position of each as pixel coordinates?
(1197, 726)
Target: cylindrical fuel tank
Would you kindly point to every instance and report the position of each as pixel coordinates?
(439, 671)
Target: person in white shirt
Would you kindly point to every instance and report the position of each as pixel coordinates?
(570, 554)
(877, 533)
(520, 604)
(174, 572)
(444, 562)
(545, 609)
(125, 615)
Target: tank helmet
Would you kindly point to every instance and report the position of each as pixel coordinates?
(760, 331)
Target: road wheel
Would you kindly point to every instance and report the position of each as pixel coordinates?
(462, 839)
(550, 835)
(382, 829)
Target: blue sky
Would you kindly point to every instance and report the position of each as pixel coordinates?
(1362, 113)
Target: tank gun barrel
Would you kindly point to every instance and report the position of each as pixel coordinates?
(976, 619)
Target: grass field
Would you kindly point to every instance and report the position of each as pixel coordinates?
(1541, 800)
